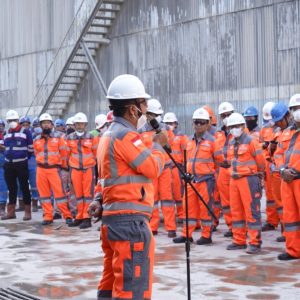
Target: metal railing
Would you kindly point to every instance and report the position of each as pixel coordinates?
(62, 55)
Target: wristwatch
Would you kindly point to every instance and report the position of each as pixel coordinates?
(281, 170)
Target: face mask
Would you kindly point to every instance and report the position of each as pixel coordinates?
(37, 130)
(70, 130)
(80, 133)
(158, 119)
(251, 124)
(13, 125)
(225, 121)
(141, 121)
(296, 115)
(47, 131)
(172, 127)
(139, 112)
(236, 132)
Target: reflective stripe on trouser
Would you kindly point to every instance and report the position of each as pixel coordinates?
(271, 210)
(163, 192)
(177, 188)
(223, 183)
(69, 190)
(276, 190)
(291, 216)
(3, 187)
(245, 195)
(128, 247)
(50, 180)
(197, 208)
(83, 183)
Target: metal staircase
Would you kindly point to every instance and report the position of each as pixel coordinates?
(74, 58)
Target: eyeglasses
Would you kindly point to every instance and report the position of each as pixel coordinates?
(200, 122)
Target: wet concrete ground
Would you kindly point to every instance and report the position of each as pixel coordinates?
(57, 262)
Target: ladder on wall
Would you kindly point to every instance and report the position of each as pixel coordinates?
(87, 33)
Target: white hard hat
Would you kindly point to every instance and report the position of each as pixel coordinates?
(126, 87)
(225, 107)
(170, 117)
(100, 120)
(294, 101)
(12, 115)
(267, 110)
(154, 106)
(80, 118)
(201, 114)
(70, 121)
(45, 117)
(235, 119)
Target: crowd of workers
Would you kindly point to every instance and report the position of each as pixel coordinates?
(62, 165)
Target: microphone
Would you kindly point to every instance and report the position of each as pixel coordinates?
(155, 125)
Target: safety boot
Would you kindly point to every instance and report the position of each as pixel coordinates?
(27, 215)
(181, 239)
(47, 222)
(286, 256)
(85, 224)
(253, 249)
(171, 233)
(35, 205)
(228, 233)
(75, 223)
(2, 209)
(11, 212)
(21, 205)
(204, 241)
(235, 246)
(69, 221)
(57, 216)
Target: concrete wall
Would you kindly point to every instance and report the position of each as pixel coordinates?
(190, 53)
(30, 33)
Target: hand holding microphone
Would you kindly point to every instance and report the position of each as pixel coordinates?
(161, 136)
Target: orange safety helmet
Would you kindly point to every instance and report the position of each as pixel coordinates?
(110, 116)
(211, 114)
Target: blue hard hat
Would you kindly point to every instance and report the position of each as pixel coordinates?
(278, 111)
(250, 111)
(24, 119)
(59, 122)
(2, 122)
(36, 121)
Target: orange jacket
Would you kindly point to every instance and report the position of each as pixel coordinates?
(247, 156)
(223, 141)
(81, 150)
(202, 155)
(50, 150)
(178, 145)
(127, 168)
(287, 154)
(255, 133)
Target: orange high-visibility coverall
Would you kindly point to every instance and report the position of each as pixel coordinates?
(288, 157)
(82, 160)
(223, 179)
(51, 155)
(202, 155)
(245, 189)
(266, 135)
(178, 145)
(127, 168)
(162, 185)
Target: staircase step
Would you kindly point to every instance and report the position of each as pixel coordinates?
(97, 41)
(113, 1)
(101, 25)
(105, 17)
(97, 30)
(109, 9)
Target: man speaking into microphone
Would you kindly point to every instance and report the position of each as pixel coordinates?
(126, 169)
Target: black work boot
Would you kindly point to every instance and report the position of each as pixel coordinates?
(286, 256)
(85, 224)
(235, 246)
(47, 222)
(268, 227)
(204, 241)
(228, 233)
(181, 239)
(171, 233)
(75, 223)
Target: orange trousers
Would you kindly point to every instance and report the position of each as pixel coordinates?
(223, 183)
(48, 180)
(291, 216)
(163, 193)
(217, 203)
(128, 247)
(83, 182)
(276, 191)
(197, 208)
(245, 195)
(177, 188)
(271, 208)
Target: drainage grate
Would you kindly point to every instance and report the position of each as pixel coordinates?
(12, 294)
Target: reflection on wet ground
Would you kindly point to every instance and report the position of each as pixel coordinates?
(58, 262)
